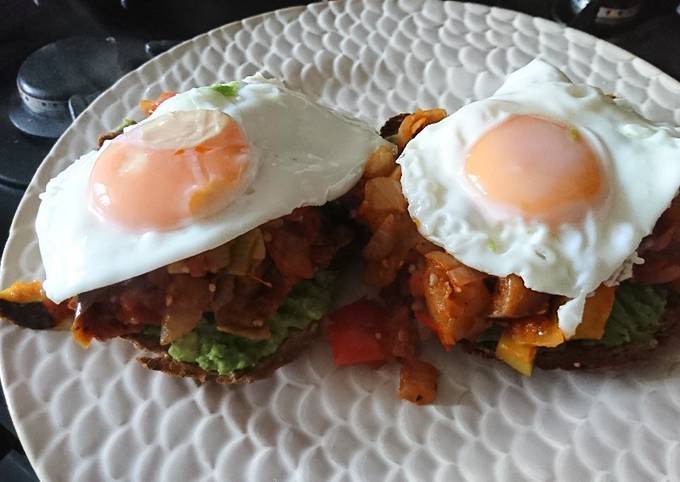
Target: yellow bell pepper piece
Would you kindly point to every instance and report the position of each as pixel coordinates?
(519, 356)
(595, 314)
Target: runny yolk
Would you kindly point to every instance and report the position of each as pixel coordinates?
(540, 168)
(173, 169)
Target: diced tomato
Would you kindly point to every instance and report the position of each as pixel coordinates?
(365, 332)
(399, 336)
(418, 382)
(416, 284)
(79, 334)
(354, 333)
(290, 252)
(512, 299)
(425, 318)
(309, 220)
(59, 312)
(149, 106)
(457, 312)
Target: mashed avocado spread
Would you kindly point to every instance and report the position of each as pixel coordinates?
(223, 353)
(636, 316)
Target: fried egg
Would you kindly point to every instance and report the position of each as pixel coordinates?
(206, 167)
(547, 179)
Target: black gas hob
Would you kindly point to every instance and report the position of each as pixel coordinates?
(56, 56)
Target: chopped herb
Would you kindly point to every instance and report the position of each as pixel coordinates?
(574, 134)
(228, 89)
(490, 335)
(152, 330)
(393, 139)
(125, 123)
(107, 136)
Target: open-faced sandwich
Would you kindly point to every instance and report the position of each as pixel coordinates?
(539, 225)
(207, 233)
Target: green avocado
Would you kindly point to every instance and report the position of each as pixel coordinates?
(224, 353)
(636, 316)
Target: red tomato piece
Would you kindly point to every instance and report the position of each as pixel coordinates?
(425, 318)
(148, 106)
(354, 333)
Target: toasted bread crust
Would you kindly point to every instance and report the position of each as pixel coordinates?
(28, 315)
(296, 342)
(391, 125)
(35, 316)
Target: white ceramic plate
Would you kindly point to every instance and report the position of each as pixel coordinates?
(97, 415)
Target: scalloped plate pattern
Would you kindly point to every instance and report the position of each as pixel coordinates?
(97, 415)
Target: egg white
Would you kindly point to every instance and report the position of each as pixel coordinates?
(308, 155)
(642, 162)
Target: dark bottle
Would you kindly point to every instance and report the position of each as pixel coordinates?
(598, 16)
(610, 12)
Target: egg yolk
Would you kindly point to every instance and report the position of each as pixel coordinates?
(170, 170)
(543, 169)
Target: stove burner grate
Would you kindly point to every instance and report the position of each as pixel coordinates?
(56, 82)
